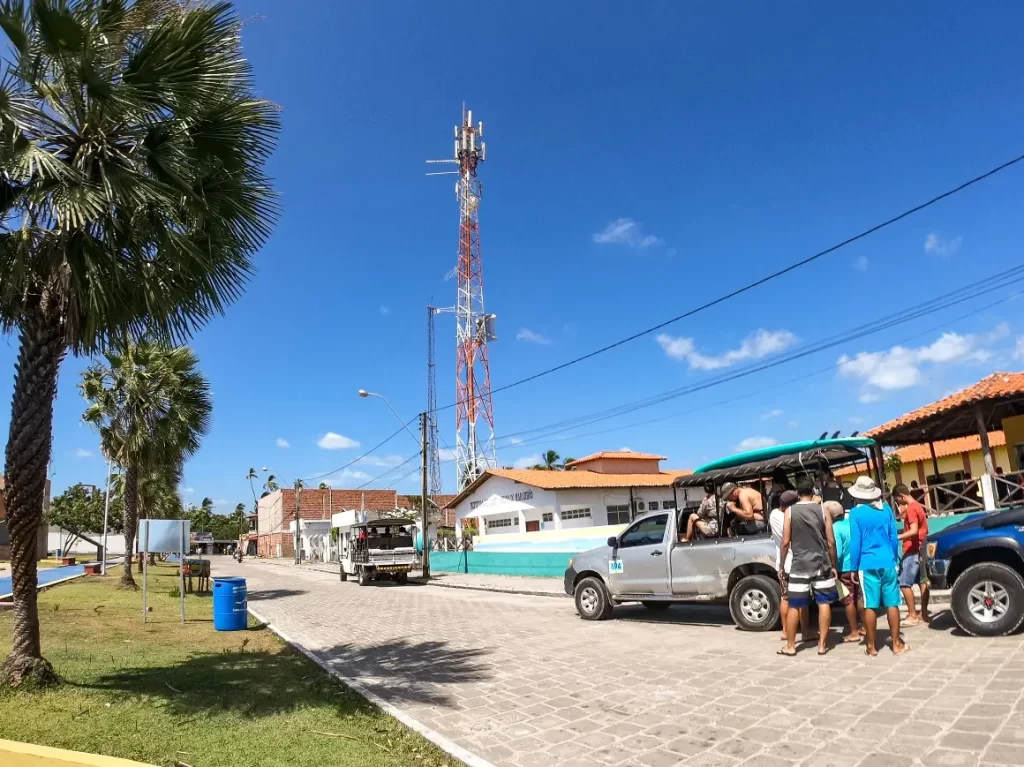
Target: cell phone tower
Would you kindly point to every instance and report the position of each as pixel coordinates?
(474, 328)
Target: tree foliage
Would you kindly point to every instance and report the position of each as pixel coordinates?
(79, 510)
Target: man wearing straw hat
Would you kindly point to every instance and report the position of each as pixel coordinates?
(874, 551)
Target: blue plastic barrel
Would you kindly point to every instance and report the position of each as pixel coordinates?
(229, 604)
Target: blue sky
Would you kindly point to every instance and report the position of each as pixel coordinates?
(642, 158)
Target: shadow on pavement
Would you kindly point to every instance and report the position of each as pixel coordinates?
(403, 671)
(682, 614)
(263, 595)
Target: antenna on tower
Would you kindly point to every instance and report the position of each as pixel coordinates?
(474, 411)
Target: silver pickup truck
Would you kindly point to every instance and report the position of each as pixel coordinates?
(648, 564)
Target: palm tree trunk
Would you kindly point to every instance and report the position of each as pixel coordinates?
(131, 517)
(28, 455)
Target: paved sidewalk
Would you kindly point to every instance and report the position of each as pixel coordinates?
(522, 681)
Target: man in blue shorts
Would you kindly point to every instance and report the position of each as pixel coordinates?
(874, 550)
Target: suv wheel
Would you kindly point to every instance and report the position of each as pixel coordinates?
(754, 603)
(592, 600)
(988, 600)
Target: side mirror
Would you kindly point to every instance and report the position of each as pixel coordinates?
(613, 542)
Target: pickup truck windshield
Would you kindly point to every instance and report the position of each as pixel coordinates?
(646, 532)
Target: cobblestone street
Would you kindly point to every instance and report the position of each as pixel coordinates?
(521, 680)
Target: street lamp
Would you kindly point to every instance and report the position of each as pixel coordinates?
(422, 442)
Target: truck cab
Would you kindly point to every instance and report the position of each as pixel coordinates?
(982, 560)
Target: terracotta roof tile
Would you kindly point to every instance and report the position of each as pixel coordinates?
(616, 454)
(317, 504)
(564, 480)
(915, 453)
(995, 386)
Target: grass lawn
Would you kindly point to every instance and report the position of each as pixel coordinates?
(167, 693)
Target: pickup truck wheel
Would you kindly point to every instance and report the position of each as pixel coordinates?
(988, 600)
(344, 575)
(592, 600)
(364, 577)
(402, 578)
(754, 603)
(652, 605)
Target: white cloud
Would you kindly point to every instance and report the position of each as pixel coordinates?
(626, 231)
(626, 450)
(83, 453)
(1018, 351)
(333, 441)
(383, 461)
(755, 443)
(518, 441)
(856, 420)
(937, 245)
(771, 414)
(281, 442)
(525, 334)
(861, 263)
(343, 478)
(188, 490)
(528, 461)
(761, 343)
(446, 453)
(385, 309)
(901, 367)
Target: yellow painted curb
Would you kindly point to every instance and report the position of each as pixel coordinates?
(27, 755)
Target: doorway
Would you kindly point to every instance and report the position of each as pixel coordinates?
(532, 526)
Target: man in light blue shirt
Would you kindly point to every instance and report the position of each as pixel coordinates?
(874, 551)
(848, 579)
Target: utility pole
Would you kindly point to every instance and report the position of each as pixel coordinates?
(106, 517)
(425, 469)
(295, 545)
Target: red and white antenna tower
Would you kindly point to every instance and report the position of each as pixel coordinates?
(474, 328)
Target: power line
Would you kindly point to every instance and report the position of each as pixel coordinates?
(906, 315)
(392, 470)
(763, 280)
(376, 447)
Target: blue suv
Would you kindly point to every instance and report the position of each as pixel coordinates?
(982, 560)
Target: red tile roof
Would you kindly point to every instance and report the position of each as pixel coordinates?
(564, 480)
(616, 454)
(915, 453)
(993, 387)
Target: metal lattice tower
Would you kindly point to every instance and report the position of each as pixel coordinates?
(474, 328)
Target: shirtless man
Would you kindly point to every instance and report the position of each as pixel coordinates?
(747, 505)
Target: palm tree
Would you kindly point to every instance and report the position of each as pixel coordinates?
(151, 406)
(241, 523)
(549, 461)
(270, 485)
(251, 476)
(324, 486)
(132, 199)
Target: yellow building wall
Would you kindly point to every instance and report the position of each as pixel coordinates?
(948, 465)
(1013, 428)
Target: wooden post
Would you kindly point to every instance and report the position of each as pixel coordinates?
(935, 461)
(880, 467)
(988, 480)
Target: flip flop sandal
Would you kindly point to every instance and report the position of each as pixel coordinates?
(787, 654)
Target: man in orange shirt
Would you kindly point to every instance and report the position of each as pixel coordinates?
(912, 570)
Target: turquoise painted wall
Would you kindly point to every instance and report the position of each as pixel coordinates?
(549, 564)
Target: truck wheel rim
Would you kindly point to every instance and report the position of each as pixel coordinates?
(988, 601)
(588, 600)
(755, 605)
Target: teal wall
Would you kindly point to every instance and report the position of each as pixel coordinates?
(544, 563)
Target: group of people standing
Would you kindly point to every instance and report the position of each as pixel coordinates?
(829, 555)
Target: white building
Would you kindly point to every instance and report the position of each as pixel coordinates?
(571, 510)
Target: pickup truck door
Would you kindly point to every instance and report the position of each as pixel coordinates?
(701, 568)
(640, 563)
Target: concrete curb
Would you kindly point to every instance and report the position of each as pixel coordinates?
(31, 754)
(449, 747)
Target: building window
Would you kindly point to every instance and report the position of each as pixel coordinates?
(575, 514)
(669, 505)
(548, 517)
(618, 515)
(501, 523)
(653, 506)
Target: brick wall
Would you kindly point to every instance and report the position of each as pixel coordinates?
(266, 545)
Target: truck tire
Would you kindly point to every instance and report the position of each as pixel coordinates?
(988, 600)
(402, 578)
(656, 605)
(365, 576)
(344, 575)
(592, 600)
(754, 603)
